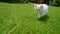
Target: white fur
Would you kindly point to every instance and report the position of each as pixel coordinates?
(41, 9)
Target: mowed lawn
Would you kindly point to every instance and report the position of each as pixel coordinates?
(22, 19)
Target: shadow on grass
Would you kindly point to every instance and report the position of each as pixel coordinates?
(44, 18)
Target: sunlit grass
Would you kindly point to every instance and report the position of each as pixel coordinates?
(12, 14)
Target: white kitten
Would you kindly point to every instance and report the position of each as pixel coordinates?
(41, 9)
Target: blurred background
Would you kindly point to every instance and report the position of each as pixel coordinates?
(52, 2)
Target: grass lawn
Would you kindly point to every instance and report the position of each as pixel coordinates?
(22, 19)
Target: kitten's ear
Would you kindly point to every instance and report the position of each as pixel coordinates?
(41, 6)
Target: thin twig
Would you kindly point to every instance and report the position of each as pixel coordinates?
(15, 27)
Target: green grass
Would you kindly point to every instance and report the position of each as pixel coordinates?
(12, 14)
